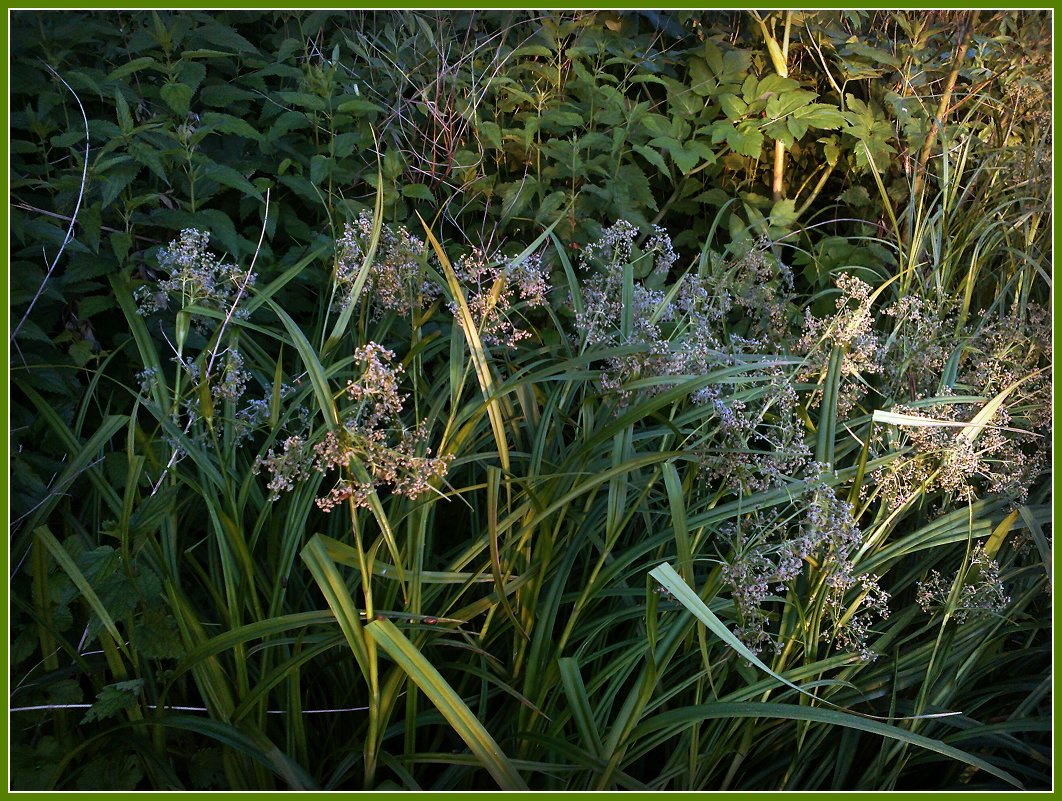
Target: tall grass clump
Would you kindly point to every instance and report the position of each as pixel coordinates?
(404, 503)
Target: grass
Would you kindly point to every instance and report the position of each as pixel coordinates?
(675, 551)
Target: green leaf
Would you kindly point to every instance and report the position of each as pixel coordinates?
(418, 192)
(702, 80)
(747, 140)
(449, 703)
(227, 123)
(227, 176)
(130, 67)
(733, 106)
(783, 213)
(226, 38)
(491, 134)
(125, 119)
(320, 166)
(653, 157)
(575, 692)
(177, 96)
(680, 719)
(114, 699)
(821, 115)
(656, 124)
(359, 107)
(684, 159)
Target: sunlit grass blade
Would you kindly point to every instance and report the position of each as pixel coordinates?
(475, 344)
(334, 588)
(448, 702)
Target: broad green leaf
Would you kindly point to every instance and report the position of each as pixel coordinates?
(177, 96)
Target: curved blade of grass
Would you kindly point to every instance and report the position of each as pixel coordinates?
(253, 744)
(260, 629)
(340, 327)
(980, 420)
(80, 456)
(826, 436)
(684, 594)
(448, 702)
(62, 558)
(475, 345)
(575, 691)
(258, 296)
(681, 718)
(574, 289)
(1042, 545)
(1000, 533)
(149, 356)
(493, 491)
(335, 591)
(677, 503)
(314, 369)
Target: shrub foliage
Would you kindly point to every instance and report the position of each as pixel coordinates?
(566, 401)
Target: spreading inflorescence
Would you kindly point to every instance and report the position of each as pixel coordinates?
(370, 448)
(492, 290)
(196, 277)
(397, 278)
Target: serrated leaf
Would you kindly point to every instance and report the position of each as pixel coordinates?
(346, 143)
(783, 213)
(113, 700)
(702, 80)
(821, 115)
(227, 123)
(684, 159)
(490, 133)
(177, 96)
(155, 635)
(191, 73)
(653, 157)
(733, 106)
(747, 141)
(125, 119)
(130, 67)
(225, 37)
(227, 176)
(359, 107)
(319, 168)
(223, 95)
(418, 192)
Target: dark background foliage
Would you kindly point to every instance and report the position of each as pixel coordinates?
(491, 126)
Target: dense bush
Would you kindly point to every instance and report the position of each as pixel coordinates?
(593, 400)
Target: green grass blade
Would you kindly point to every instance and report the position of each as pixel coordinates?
(475, 345)
(575, 692)
(335, 591)
(826, 436)
(62, 558)
(682, 718)
(448, 702)
(314, 369)
(677, 504)
(252, 743)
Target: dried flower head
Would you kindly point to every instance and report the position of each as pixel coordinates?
(397, 280)
(493, 289)
(196, 277)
